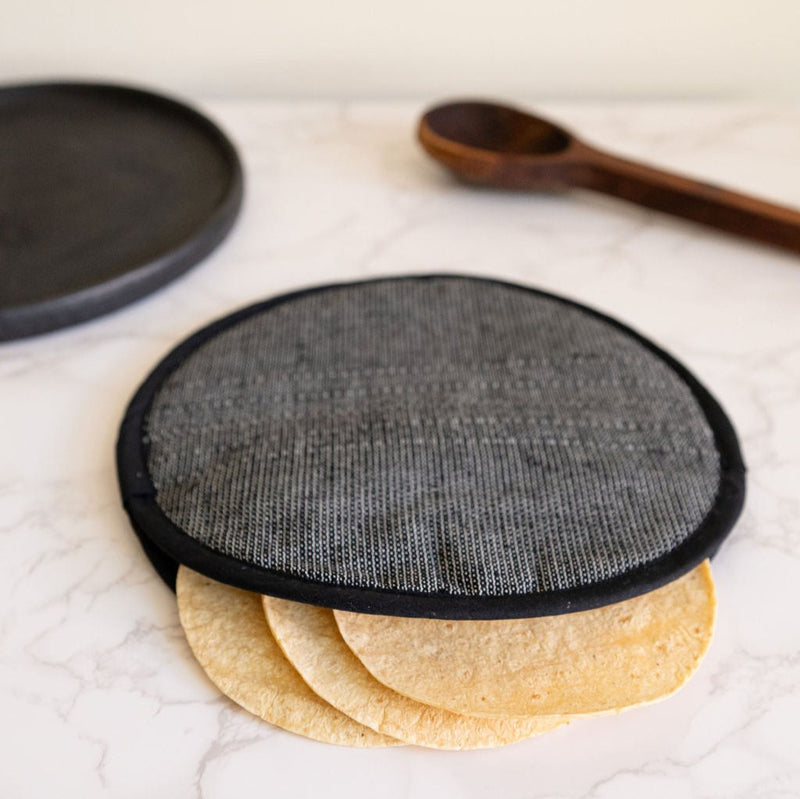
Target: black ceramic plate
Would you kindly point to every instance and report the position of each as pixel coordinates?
(107, 193)
(428, 446)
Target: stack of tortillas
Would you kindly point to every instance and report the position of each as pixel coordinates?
(517, 494)
(366, 680)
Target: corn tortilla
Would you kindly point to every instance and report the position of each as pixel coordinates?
(630, 653)
(310, 639)
(229, 636)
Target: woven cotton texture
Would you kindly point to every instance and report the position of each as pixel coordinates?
(442, 435)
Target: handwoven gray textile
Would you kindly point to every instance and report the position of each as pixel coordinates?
(441, 435)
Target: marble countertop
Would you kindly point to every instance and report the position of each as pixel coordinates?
(99, 694)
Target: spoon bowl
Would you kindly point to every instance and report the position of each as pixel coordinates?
(495, 128)
(497, 145)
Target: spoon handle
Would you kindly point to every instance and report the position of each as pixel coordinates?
(691, 199)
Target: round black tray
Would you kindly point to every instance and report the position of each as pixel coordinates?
(108, 193)
(428, 446)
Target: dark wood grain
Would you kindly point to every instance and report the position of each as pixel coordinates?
(495, 145)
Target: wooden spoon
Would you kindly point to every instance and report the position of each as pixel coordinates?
(500, 146)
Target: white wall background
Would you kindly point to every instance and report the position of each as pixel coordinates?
(372, 48)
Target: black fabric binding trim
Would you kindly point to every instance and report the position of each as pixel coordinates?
(167, 545)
